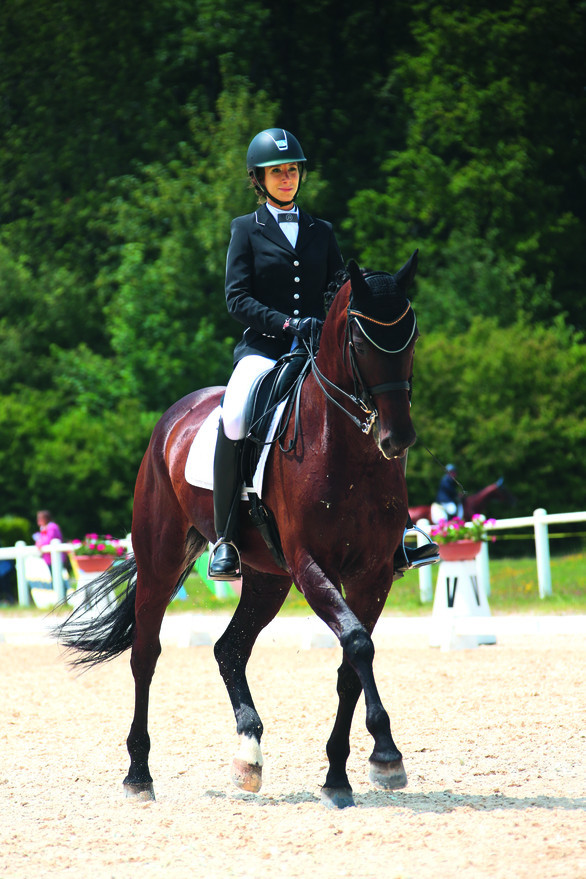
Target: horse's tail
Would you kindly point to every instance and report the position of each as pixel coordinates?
(100, 635)
(102, 625)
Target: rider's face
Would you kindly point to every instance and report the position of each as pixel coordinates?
(281, 182)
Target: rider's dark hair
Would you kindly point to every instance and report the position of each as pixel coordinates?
(255, 177)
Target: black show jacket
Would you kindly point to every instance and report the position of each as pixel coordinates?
(269, 280)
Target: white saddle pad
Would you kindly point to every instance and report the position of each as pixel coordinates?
(199, 467)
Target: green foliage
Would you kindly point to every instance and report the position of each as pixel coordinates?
(492, 174)
(81, 466)
(502, 402)
(13, 528)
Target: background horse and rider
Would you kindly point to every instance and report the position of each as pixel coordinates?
(339, 500)
(472, 504)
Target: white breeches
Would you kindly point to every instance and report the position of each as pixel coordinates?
(241, 381)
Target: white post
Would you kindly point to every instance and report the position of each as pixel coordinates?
(57, 569)
(542, 552)
(483, 568)
(425, 580)
(24, 596)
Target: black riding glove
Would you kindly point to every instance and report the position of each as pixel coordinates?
(304, 328)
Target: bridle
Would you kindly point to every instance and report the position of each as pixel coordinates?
(363, 396)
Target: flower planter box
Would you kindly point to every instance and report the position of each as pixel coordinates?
(94, 564)
(459, 550)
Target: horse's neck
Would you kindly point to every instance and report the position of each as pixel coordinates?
(477, 502)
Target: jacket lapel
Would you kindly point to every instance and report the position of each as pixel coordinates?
(270, 229)
(306, 229)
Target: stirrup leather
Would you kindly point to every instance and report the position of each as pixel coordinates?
(230, 575)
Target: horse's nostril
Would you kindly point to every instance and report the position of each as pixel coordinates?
(393, 447)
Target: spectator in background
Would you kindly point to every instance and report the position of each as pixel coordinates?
(48, 531)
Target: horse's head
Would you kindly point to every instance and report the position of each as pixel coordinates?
(382, 331)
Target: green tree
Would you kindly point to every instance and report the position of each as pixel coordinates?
(491, 182)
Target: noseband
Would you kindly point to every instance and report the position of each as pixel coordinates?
(363, 396)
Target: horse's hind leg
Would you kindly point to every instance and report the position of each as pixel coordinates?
(162, 555)
(262, 597)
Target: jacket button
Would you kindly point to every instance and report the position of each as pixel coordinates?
(295, 262)
(296, 312)
(296, 280)
(296, 296)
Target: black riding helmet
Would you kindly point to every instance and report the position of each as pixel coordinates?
(273, 146)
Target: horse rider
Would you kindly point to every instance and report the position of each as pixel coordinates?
(280, 261)
(448, 496)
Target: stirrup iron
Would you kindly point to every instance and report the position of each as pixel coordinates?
(431, 558)
(230, 575)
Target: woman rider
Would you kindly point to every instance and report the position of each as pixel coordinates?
(280, 261)
(279, 264)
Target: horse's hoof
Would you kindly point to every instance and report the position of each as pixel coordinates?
(337, 797)
(144, 792)
(247, 776)
(390, 776)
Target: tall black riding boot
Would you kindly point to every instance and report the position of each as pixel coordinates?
(224, 563)
(418, 556)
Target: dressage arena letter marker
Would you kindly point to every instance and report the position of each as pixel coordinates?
(459, 597)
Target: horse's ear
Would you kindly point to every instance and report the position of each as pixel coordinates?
(404, 277)
(360, 288)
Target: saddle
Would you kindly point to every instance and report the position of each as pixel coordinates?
(281, 383)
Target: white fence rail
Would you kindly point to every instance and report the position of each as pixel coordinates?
(20, 551)
(539, 521)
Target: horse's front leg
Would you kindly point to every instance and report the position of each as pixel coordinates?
(337, 791)
(262, 597)
(386, 762)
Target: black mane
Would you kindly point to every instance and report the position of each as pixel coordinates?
(340, 279)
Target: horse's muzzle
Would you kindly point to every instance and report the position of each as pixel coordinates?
(393, 445)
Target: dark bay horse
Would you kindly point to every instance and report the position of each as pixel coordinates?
(471, 503)
(340, 502)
